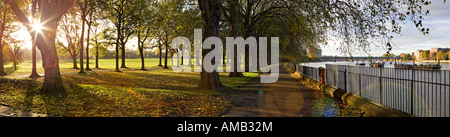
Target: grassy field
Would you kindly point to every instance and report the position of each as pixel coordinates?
(66, 65)
(130, 93)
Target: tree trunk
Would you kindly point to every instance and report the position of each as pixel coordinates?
(34, 73)
(211, 15)
(234, 6)
(123, 56)
(83, 16)
(52, 77)
(2, 29)
(87, 47)
(50, 61)
(141, 52)
(96, 57)
(15, 65)
(117, 46)
(74, 60)
(117, 56)
(182, 60)
(2, 69)
(167, 53)
(160, 54)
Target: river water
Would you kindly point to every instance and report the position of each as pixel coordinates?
(445, 66)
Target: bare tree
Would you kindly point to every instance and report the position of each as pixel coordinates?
(14, 52)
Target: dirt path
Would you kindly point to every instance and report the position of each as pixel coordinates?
(285, 98)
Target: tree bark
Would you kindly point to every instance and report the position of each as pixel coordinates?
(34, 73)
(2, 30)
(15, 65)
(74, 60)
(83, 19)
(87, 47)
(141, 51)
(117, 56)
(160, 54)
(119, 31)
(234, 18)
(123, 56)
(211, 15)
(50, 61)
(96, 55)
(167, 52)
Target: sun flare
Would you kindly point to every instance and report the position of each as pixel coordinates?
(37, 27)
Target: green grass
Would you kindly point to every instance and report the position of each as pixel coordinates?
(66, 65)
(130, 93)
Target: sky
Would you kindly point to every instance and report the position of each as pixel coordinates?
(411, 39)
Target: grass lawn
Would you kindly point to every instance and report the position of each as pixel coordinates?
(66, 65)
(130, 93)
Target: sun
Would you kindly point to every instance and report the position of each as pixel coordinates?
(37, 27)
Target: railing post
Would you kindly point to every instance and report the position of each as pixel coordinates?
(412, 92)
(360, 86)
(345, 78)
(381, 85)
(334, 72)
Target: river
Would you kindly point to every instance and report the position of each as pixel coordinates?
(445, 66)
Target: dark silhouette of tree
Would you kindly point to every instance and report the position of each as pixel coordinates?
(211, 13)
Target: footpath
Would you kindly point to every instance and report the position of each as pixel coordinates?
(285, 98)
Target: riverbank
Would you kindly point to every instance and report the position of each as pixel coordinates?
(445, 64)
(434, 61)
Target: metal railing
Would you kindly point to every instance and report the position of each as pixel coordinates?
(311, 72)
(423, 93)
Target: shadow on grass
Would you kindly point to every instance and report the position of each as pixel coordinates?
(10, 70)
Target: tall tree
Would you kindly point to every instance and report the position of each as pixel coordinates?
(211, 13)
(143, 18)
(233, 18)
(4, 9)
(91, 10)
(7, 27)
(187, 19)
(50, 14)
(70, 33)
(254, 11)
(83, 5)
(34, 73)
(165, 23)
(100, 42)
(14, 52)
(119, 12)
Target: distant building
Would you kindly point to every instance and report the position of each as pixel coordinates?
(436, 50)
(418, 54)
